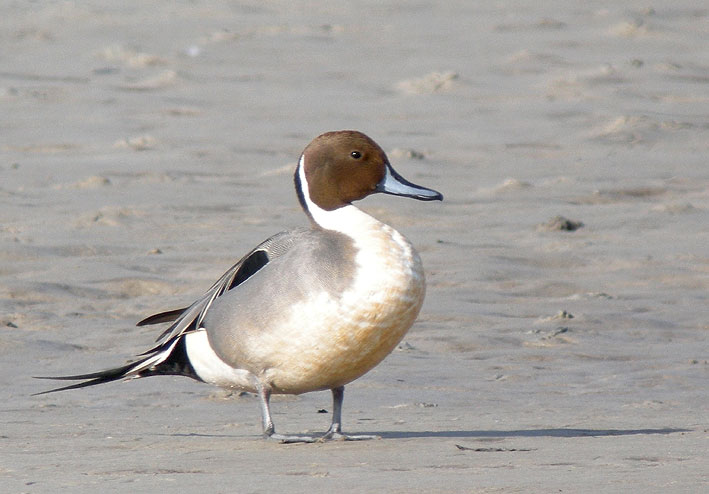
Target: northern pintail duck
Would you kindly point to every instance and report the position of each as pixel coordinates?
(308, 309)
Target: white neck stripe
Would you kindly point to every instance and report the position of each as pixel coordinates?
(346, 219)
(305, 189)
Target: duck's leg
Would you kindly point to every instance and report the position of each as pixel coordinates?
(269, 431)
(335, 430)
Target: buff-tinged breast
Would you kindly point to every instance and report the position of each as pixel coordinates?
(346, 336)
(322, 314)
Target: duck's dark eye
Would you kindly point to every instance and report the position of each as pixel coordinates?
(356, 155)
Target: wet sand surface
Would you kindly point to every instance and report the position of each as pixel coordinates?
(562, 346)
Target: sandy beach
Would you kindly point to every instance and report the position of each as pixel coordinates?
(563, 344)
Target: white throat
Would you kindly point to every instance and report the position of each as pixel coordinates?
(347, 219)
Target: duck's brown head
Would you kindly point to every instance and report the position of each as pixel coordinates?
(345, 166)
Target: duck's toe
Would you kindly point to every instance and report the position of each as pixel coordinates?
(339, 436)
(287, 439)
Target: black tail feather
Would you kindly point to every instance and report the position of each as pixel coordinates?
(176, 363)
(167, 316)
(92, 378)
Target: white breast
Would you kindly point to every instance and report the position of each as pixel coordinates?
(334, 340)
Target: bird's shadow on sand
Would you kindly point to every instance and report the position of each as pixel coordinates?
(561, 432)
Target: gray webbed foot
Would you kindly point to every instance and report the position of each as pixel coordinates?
(339, 436)
(285, 439)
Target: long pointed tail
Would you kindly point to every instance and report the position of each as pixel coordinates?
(93, 378)
(170, 358)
